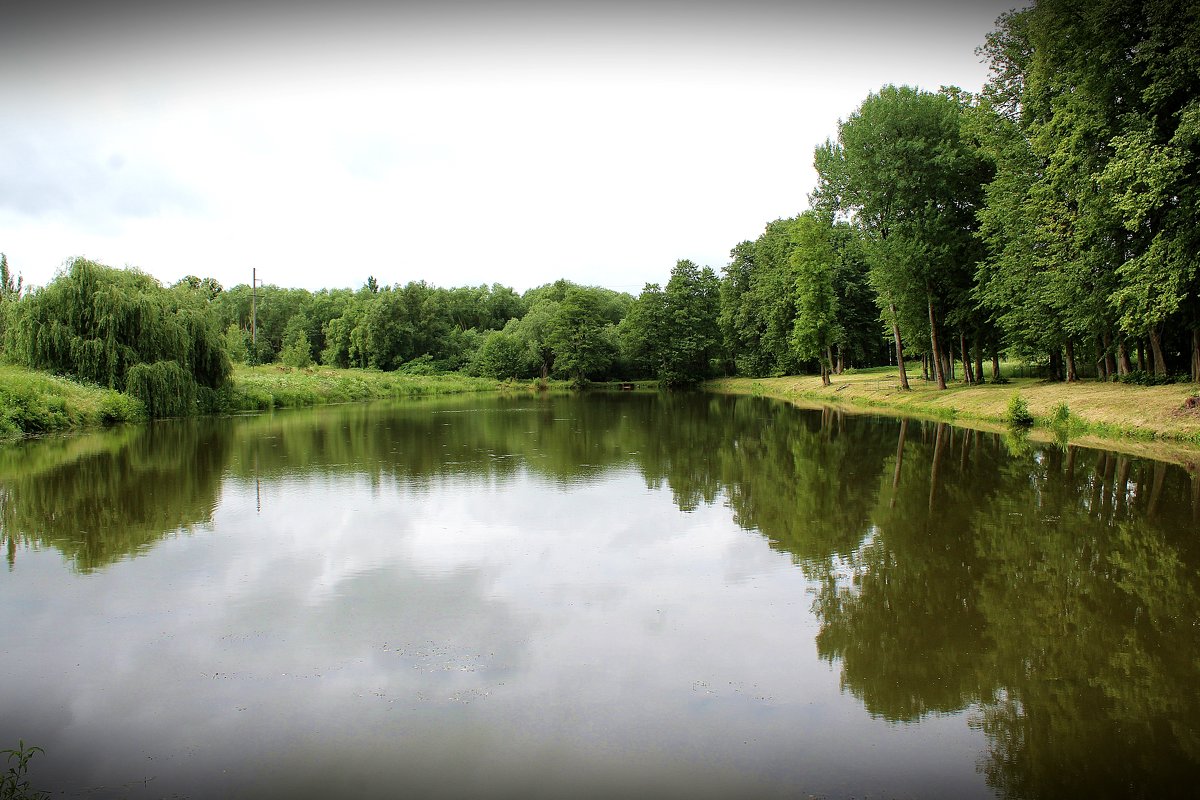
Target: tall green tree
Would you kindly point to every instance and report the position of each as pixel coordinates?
(297, 349)
(757, 302)
(816, 328)
(903, 171)
(675, 331)
(10, 293)
(98, 324)
(1090, 222)
(581, 347)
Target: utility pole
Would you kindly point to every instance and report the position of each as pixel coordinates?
(254, 281)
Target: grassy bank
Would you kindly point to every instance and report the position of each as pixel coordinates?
(33, 402)
(1095, 413)
(274, 386)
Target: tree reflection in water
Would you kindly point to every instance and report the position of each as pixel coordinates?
(1051, 592)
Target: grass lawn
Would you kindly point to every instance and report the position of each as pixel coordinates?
(1099, 412)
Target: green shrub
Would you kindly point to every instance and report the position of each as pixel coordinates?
(14, 785)
(163, 387)
(421, 365)
(1061, 415)
(116, 407)
(297, 350)
(1018, 412)
(1143, 378)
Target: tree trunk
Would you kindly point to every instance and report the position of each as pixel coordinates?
(933, 341)
(1196, 355)
(1160, 473)
(934, 468)
(1160, 363)
(979, 361)
(1122, 487)
(1108, 493)
(1141, 353)
(924, 366)
(995, 365)
(1123, 365)
(1072, 377)
(826, 364)
(1195, 498)
(899, 349)
(841, 361)
(1100, 370)
(899, 459)
(965, 354)
(1055, 365)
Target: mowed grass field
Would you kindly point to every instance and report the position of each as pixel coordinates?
(1099, 412)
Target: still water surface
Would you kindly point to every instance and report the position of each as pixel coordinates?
(604, 596)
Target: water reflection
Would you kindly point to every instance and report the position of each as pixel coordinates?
(1049, 594)
(109, 495)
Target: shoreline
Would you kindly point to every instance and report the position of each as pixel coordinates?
(34, 403)
(1148, 421)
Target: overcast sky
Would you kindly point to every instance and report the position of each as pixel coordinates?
(453, 142)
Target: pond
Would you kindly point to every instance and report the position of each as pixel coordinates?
(607, 595)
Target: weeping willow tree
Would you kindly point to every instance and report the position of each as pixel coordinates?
(122, 329)
(10, 293)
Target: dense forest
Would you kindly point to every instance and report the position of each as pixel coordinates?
(1051, 218)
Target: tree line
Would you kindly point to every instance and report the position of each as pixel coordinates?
(1050, 218)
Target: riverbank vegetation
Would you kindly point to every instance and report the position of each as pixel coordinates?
(1048, 220)
(1085, 408)
(276, 386)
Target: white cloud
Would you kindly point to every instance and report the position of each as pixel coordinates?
(595, 145)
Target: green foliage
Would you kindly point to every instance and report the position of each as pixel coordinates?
(10, 290)
(34, 402)
(816, 327)
(266, 387)
(1143, 378)
(10, 293)
(96, 323)
(1018, 414)
(674, 334)
(163, 387)
(504, 354)
(421, 365)
(1061, 415)
(1092, 120)
(237, 344)
(296, 350)
(757, 302)
(581, 348)
(905, 171)
(14, 783)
